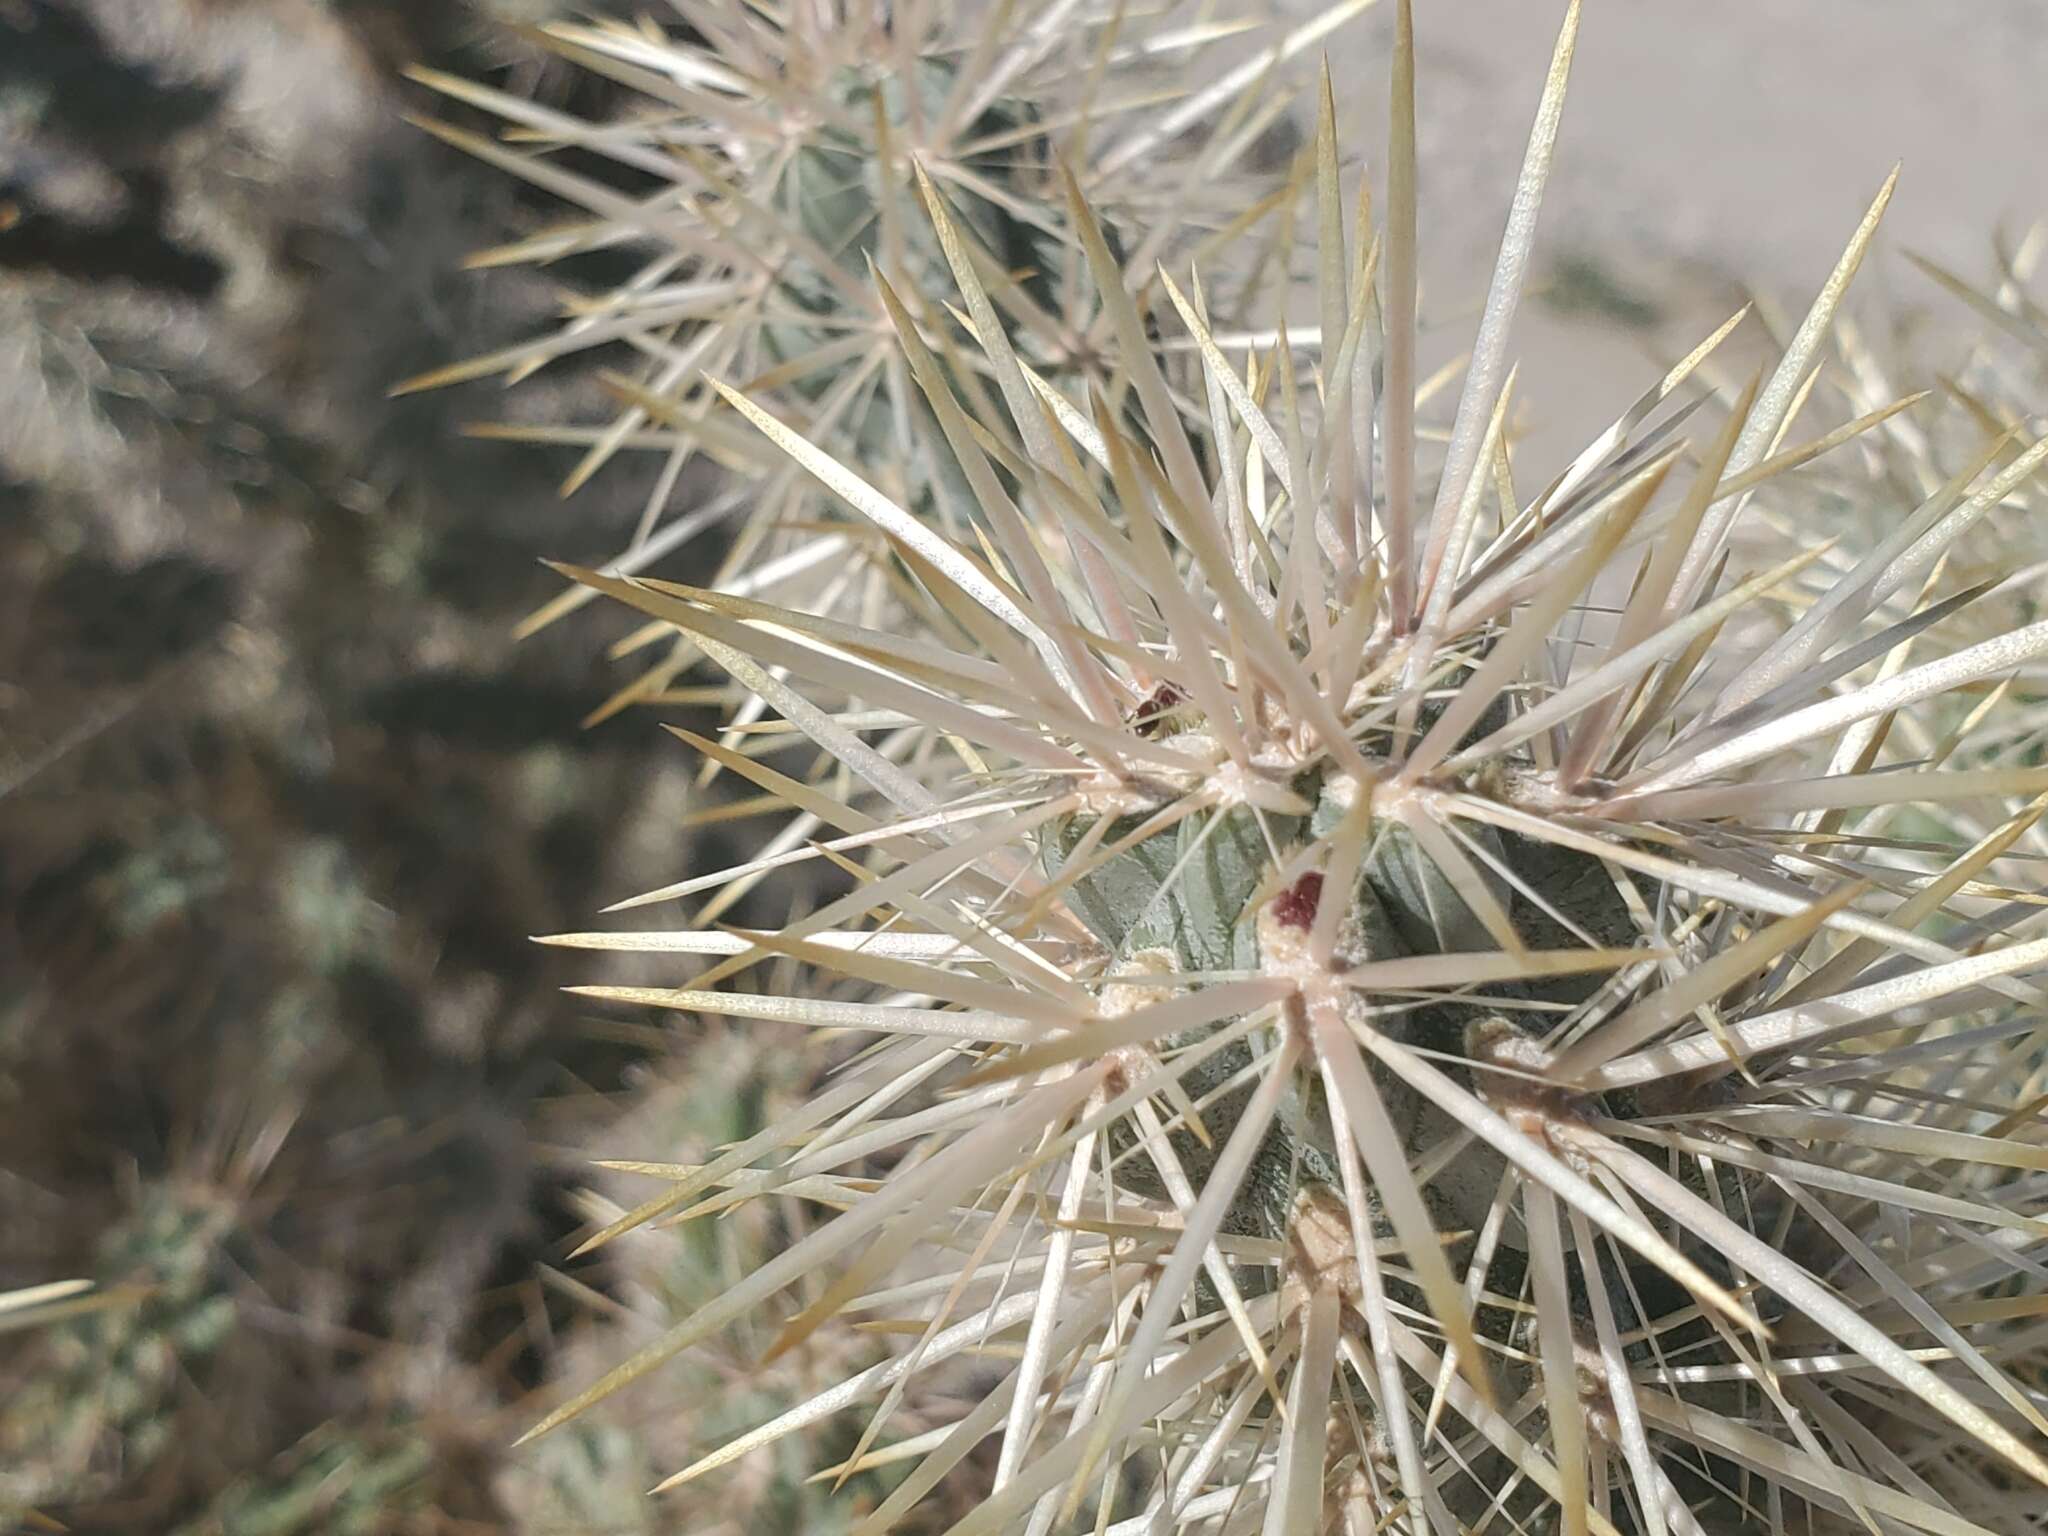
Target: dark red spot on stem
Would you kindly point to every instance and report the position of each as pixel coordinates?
(1161, 702)
(1296, 906)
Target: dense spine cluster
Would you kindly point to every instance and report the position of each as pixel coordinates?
(1385, 1002)
(773, 155)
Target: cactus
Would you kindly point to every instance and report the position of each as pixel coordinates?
(263, 762)
(1985, 418)
(1970, 458)
(101, 1407)
(774, 157)
(331, 1484)
(596, 1475)
(1381, 999)
(592, 1478)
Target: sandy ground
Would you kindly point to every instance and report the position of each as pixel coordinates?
(1706, 148)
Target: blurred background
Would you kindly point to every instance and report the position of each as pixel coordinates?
(280, 801)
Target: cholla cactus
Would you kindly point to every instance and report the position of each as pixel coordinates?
(101, 1407)
(332, 1484)
(1385, 1009)
(1982, 430)
(591, 1477)
(1990, 409)
(725, 1090)
(778, 152)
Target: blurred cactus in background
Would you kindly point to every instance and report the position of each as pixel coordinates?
(332, 1484)
(719, 1089)
(594, 1479)
(97, 1412)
